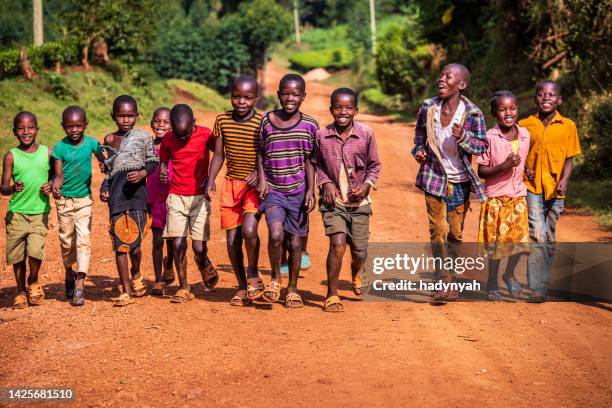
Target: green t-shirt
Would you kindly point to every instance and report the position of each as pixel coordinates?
(76, 164)
(33, 170)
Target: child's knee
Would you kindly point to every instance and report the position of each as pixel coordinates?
(338, 248)
(276, 236)
(360, 255)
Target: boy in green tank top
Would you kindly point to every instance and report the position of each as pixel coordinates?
(26, 172)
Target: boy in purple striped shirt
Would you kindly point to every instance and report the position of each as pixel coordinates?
(286, 183)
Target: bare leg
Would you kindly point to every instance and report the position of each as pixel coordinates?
(295, 254)
(276, 236)
(158, 253)
(251, 242)
(234, 250)
(337, 248)
(180, 260)
(135, 258)
(121, 259)
(19, 269)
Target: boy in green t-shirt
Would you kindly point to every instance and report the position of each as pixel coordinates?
(72, 192)
(28, 167)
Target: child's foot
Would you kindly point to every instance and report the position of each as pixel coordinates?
(255, 288)
(240, 299)
(168, 274)
(493, 295)
(305, 262)
(333, 304)
(210, 276)
(513, 285)
(139, 287)
(20, 301)
(272, 291)
(70, 282)
(124, 299)
(284, 269)
(293, 300)
(36, 294)
(78, 299)
(157, 289)
(182, 296)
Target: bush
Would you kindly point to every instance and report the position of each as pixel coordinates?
(330, 59)
(325, 38)
(595, 124)
(378, 102)
(58, 86)
(45, 56)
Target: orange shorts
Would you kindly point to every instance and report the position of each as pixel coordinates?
(237, 199)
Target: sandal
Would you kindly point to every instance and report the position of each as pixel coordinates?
(439, 298)
(182, 296)
(513, 285)
(255, 288)
(79, 298)
(293, 300)
(360, 284)
(20, 301)
(36, 294)
(240, 299)
(157, 289)
(168, 274)
(139, 287)
(333, 304)
(493, 295)
(123, 300)
(272, 292)
(210, 276)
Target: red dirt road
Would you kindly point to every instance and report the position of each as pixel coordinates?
(207, 353)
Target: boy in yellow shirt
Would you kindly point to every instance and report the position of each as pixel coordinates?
(554, 142)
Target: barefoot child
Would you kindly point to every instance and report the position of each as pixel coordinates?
(554, 143)
(347, 164)
(286, 182)
(28, 167)
(132, 159)
(157, 193)
(504, 230)
(237, 136)
(449, 130)
(72, 192)
(187, 147)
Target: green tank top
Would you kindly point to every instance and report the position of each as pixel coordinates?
(33, 170)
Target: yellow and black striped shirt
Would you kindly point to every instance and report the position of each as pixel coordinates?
(240, 142)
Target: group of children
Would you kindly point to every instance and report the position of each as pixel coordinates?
(525, 167)
(274, 161)
(165, 183)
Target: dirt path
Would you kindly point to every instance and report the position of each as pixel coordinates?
(206, 353)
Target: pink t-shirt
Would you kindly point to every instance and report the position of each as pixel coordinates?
(510, 182)
(157, 192)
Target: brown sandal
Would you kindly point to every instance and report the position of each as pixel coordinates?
(293, 300)
(123, 300)
(182, 296)
(255, 288)
(240, 299)
(36, 294)
(272, 292)
(210, 276)
(333, 304)
(139, 287)
(20, 301)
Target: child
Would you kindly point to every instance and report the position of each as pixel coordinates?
(187, 148)
(449, 130)
(554, 142)
(347, 164)
(157, 193)
(132, 159)
(286, 182)
(237, 136)
(503, 216)
(28, 166)
(72, 192)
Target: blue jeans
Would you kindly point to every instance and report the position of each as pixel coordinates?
(543, 217)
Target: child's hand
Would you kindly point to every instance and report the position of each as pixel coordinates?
(104, 195)
(330, 192)
(356, 195)
(310, 201)
(262, 188)
(46, 188)
(102, 167)
(18, 186)
(163, 176)
(56, 190)
(136, 176)
(562, 187)
(211, 188)
(421, 156)
(457, 130)
(251, 179)
(530, 174)
(513, 160)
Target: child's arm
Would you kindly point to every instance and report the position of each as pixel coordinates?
(568, 167)
(310, 178)
(7, 174)
(472, 138)
(58, 180)
(330, 192)
(215, 166)
(99, 154)
(420, 136)
(46, 188)
(373, 164)
(262, 183)
(513, 160)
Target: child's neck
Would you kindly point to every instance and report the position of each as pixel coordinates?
(509, 132)
(546, 117)
(28, 149)
(239, 118)
(285, 116)
(344, 131)
(122, 133)
(76, 142)
(452, 102)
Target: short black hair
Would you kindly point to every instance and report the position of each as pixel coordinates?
(344, 91)
(292, 78)
(23, 114)
(124, 99)
(159, 110)
(541, 84)
(180, 113)
(497, 96)
(74, 109)
(465, 72)
(250, 79)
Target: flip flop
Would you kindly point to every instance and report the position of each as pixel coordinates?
(305, 262)
(123, 300)
(513, 285)
(272, 292)
(157, 289)
(293, 297)
(36, 294)
(182, 296)
(240, 299)
(168, 274)
(20, 301)
(210, 276)
(139, 287)
(493, 295)
(360, 284)
(255, 288)
(332, 301)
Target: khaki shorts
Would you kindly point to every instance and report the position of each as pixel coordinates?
(74, 217)
(25, 236)
(352, 221)
(188, 213)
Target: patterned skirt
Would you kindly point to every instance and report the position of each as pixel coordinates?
(504, 227)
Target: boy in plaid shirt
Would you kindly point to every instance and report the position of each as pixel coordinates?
(449, 130)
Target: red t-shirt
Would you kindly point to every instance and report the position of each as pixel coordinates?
(189, 160)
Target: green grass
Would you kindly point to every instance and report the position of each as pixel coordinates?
(593, 196)
(330, 59)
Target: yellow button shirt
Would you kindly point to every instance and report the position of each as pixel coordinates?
(549, 147)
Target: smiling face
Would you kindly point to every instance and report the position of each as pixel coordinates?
(291, 96)
(74, 124)
(244, 95)
(343, 109)
(451, 82)
(547, 98)
(161, 123)
(26, 129)
(506, 112)
(125, 116)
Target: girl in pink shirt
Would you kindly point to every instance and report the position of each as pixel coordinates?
(504, 228)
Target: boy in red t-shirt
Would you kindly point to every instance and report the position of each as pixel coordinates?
(187, 146)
